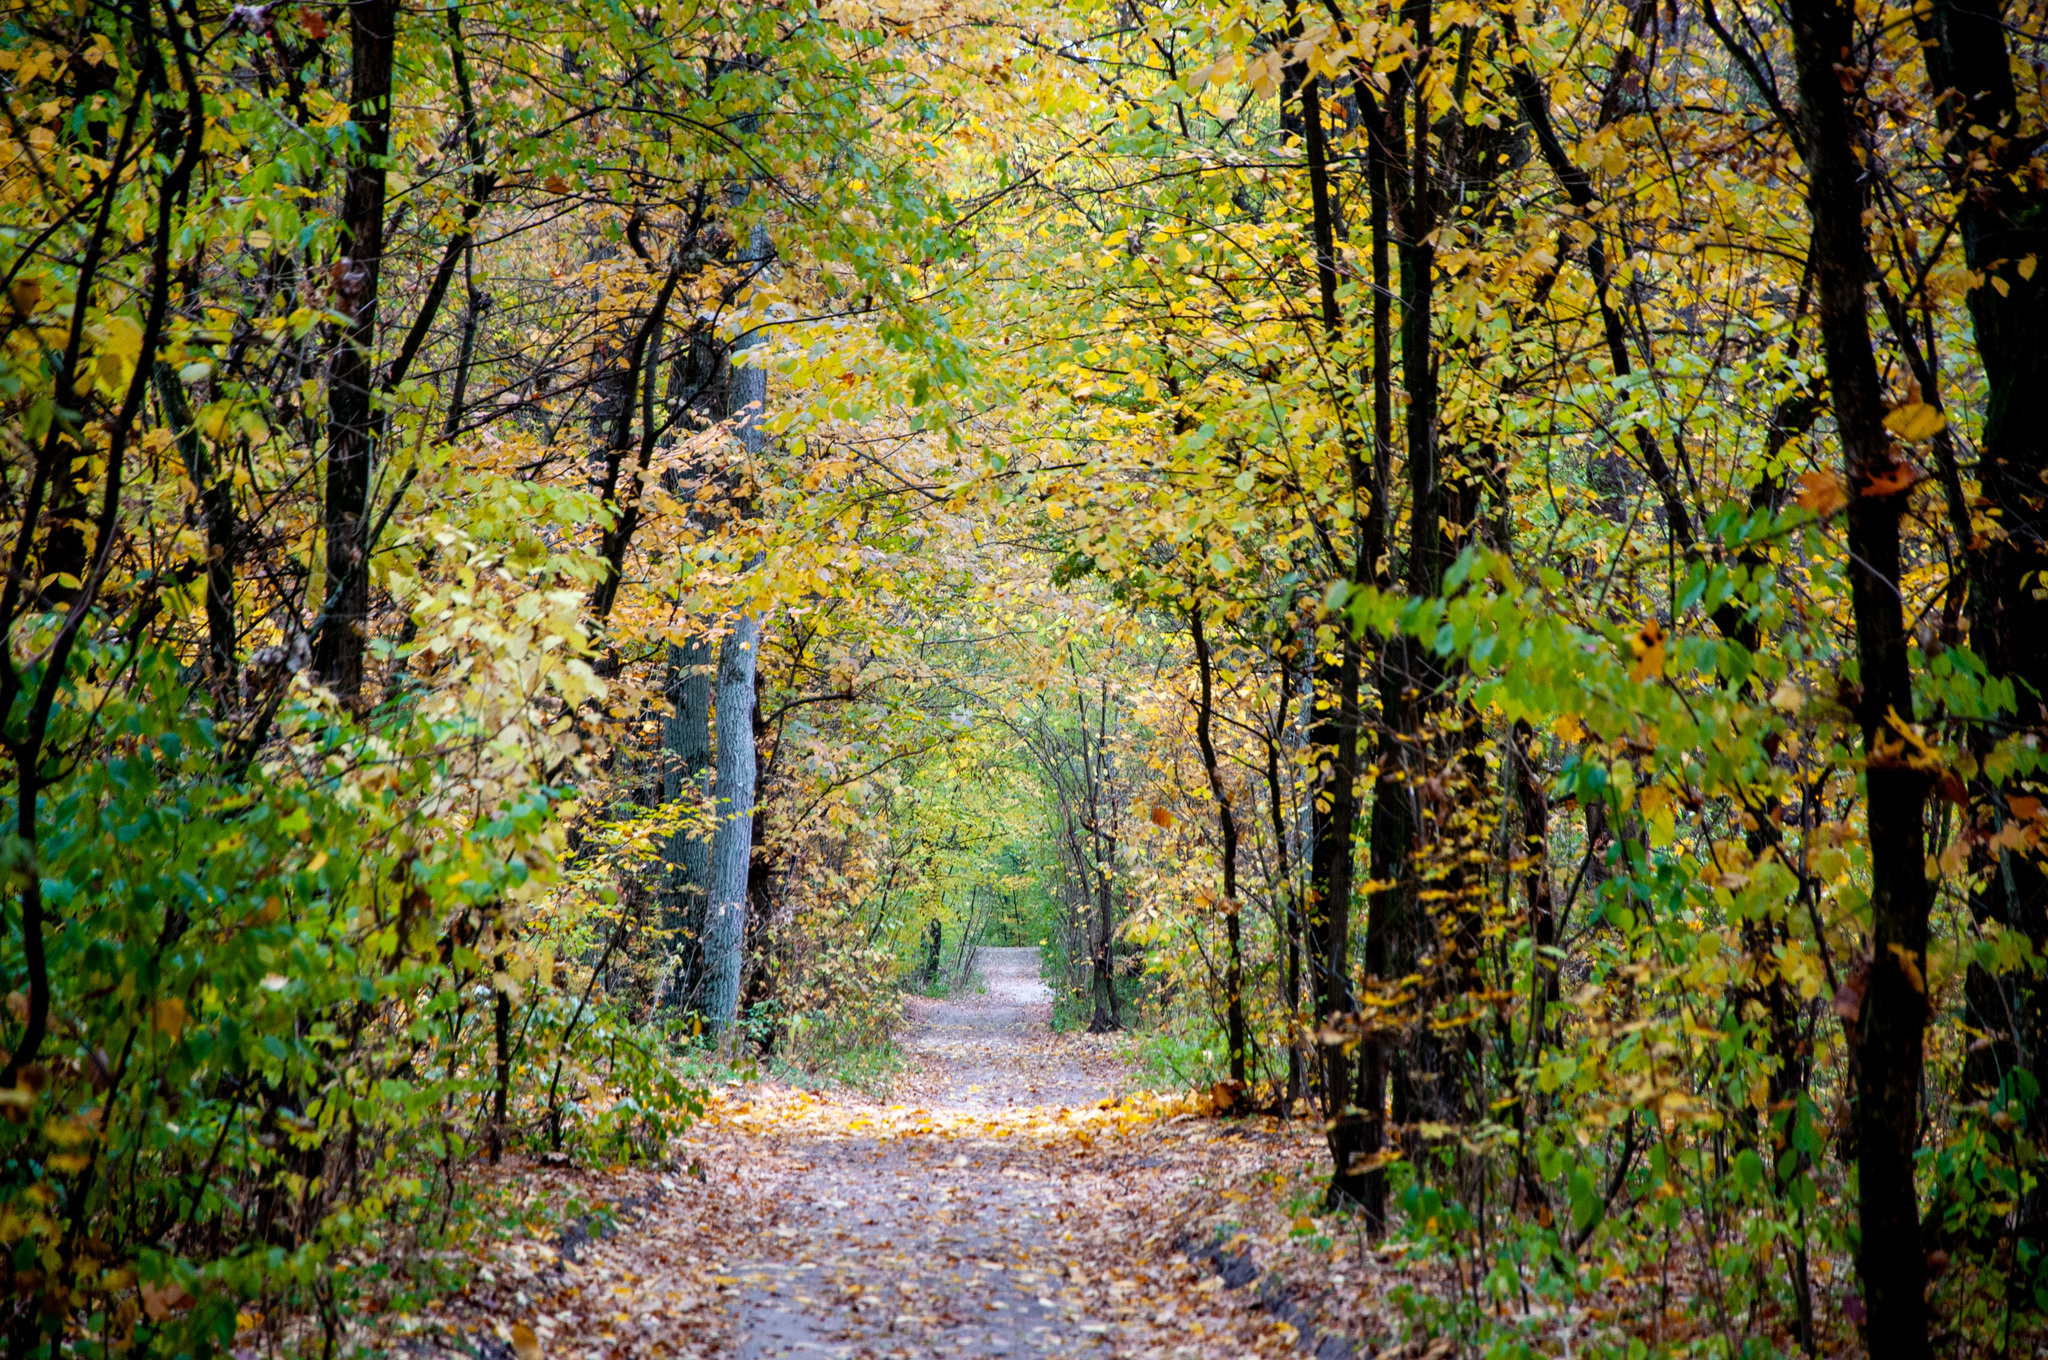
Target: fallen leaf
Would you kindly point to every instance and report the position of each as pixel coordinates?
(525, 1344)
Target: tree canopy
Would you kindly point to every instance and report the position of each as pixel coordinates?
(1477, 573)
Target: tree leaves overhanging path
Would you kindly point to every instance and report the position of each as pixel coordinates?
(1464, 581)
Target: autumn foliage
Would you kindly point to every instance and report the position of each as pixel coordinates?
(1475, 573)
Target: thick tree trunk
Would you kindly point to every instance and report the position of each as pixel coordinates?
(1894, 1006)
(2004, 219)
(351, 421)
(732, 845)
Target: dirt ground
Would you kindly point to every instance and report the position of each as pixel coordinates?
(1014, 1197)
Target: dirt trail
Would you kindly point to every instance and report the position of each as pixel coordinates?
(1009, 1198)
(931, 1245)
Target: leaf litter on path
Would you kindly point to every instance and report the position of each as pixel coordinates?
(1017, 1201)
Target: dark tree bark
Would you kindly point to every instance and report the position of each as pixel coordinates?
(1226, 821)
(1894, 1005)
(351, 420)
(626, 510)
(501, 1085)
(2004, 220)
(1353, 1131)
(1286, 907)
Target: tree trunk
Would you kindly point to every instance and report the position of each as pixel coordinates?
(732, 843)
(1285, 909)
(2004, 219)
(686, 765)
(338, 650)
(217, 513)
(1233, 963)
(1894, 1006)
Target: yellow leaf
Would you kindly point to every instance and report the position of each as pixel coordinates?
(525, 1344)
(124, 337)
(1915, 421)
(1647, 649)
(169, 1016)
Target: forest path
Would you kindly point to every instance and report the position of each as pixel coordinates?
(1013, 1197)
(934, 1242)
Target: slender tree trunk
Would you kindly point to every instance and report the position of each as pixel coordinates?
(217, 514)
(1233, 963)
(686, 764)
(501, 1086)
(1106, 1019)
(732, 843)
(1287, 910)
(1894, 1006)
(351, 421)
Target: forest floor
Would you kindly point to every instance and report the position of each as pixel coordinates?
(1013, 1197)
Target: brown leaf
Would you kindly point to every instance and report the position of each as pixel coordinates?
(1821, 493)
(160, 1301)
(525, 1344)
(1849, 996)
(1899, 477)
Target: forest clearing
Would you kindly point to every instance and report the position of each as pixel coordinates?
(923, 677)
